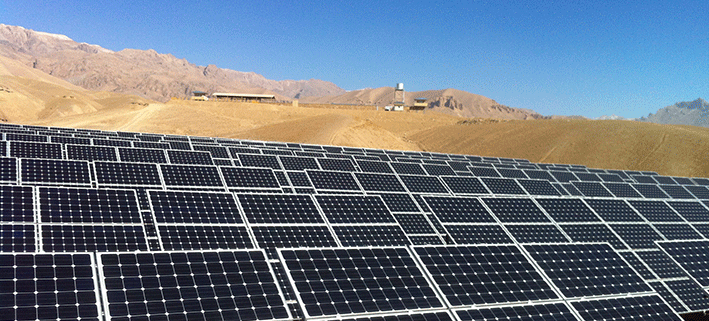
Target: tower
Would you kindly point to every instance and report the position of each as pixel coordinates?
(399, 94)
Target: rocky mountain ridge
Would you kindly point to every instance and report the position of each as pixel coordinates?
(695, 113)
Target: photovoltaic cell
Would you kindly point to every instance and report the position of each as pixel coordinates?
(16, 204)
(546, 312)
(478, 234)
(484, 171)
(593, 233)
(651, 308)
(656, 211)
(676, 191)
(243, 177)
(650, 191)
(17, 238)
(464, 185)
(637, 236)
(399, 202)
(204, 237)
(661, 264)
(194, 207)
(699, 192)
(54, 171)
(35, 150)
(614, 210)
(93, 238)
(459, 209)
(415, 223)
(91, 153)
(567, 210)
(582, 270)
(563, 177)
(691, 211)
(438, 170)
(503, 186)
(470, 275)
(690, 293)
(186, 175)
(538, 187)
(282, 209)
(423, 184)
(224, 285)
(638, 265)
(299, 179)
(693, 256)
(515, 210)
(252, 160)
(678, 231)
(408, 168)
(8, 169)
(48, 287)
(536, 233)
(333, 164)
(133, 174)
(667, 295)
(354, 209)
(425, 239)
(333, 180)
(379, 182)
(371, 235)
(74, 205)
(292, 163)
(374, 167)
(592, 189)
(343, 282)
(142, 155)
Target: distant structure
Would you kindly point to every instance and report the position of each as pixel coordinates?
(253, 98)
(199, 95)
(419, 104)
(399, 96)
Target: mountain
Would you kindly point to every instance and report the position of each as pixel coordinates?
(140, 72)
(695, 113)
(449, 101)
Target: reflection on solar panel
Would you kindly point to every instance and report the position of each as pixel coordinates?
(614, 210)
(593, 233)
(344, 282)
(204, 237)
(478, 234)
(54, 171)
(693, 256)
(459, 209)
(536, 233)
(283, 209)
(194, 207)
(469, 275)
(546, 312)
(354, 209)
(110, 173)
(249, 177)
(423, 184)
(582, 270)
(667, 295)
(333, 180)
(690, 293)
(656, 211)
(48, 287)
(651, 308)
(226, 285)
(661, 264)
(92, 238)
(379, 182)
(515, 210)
(568, 210)
(371, 235)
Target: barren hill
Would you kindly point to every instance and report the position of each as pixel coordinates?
(140, 72)
(449, 101)
(695, 113)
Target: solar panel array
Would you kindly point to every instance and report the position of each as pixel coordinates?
(117, 225)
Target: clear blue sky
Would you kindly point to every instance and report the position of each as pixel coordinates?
(569, 57)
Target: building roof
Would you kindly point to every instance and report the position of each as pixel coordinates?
(199, 92)
(243, 95)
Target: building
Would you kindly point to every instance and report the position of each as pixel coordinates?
(419, 104)
(254, 98)
(199, 95)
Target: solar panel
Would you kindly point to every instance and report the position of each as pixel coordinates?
(699, 192)
(354, 209)
(8, 169)
(592, 189)
(351, 281)
(371, 235)
(93, 238)
(271, 237)
(536, 233)
(583, 270)
(668, 296)
(464, 185)
(511, 173)
(299, 179)
(423, 184)
(683, 180)
(656, 211)
(650, 191)
(661, 264)
(194, 207)
(333, 164)
(563, 177)
(224, 285)
(415, 223)
(438, 170)
(292, 163)
(48, 286)
(665, 180)
(484, 171)
(478, 234)
(242, 177)
(251, 160)
(503, 186)
(571, 189)
(676, 191)
(91, 153)
(651, 308)
(407, 168)
(567, 210)
(614, 210)
(281, 209)
(142, 155)
(551, 311)
(186, 175)
(538, 187)
(112, 142)
(515, 210)
(16, 204)
(611, 178)
(644, 179)
(133, 174)
(399, 202)
(638, 265)
(637, 236)
(425, 239)
(593, 233)
(17, 238)
(215, 151)
(690, 293)
(678, 231)
(100, 206)
(343, 181)
(151, 145)
(50, 171)
(431, 316)
(379, 182)
(374, 167)
(459, 209)
(543, 175)
(472, 275)
(692, 256)
(189, 157)
(204, 237)
(25, 137)
(691, 211)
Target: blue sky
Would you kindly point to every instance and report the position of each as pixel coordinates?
(570, 57)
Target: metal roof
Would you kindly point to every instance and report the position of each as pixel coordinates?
(243, 95)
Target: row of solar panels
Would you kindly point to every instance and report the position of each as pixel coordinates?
(487, 282)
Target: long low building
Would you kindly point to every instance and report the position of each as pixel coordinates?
(242, 97)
